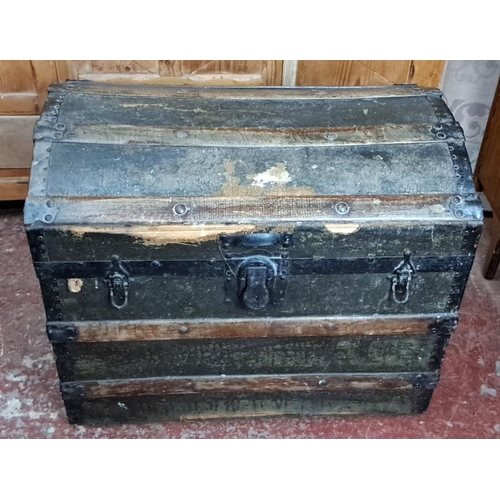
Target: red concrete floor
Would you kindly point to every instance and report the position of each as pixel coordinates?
(465, 404)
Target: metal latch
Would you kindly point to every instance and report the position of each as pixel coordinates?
(401, 279)
(256, 281)
(118, 281)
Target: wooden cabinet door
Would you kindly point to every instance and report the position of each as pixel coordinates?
(175, 72)
(424, 73)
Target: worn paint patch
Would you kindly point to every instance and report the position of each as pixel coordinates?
(342, 228)
(277, 178)
(75, 285)
(163, 235)
(275, 175)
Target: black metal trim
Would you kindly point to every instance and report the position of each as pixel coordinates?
(461, 167)
(36, 241)
(472, 234)
(441, 110)
(64, 362)
(421, 400)
(458, 288)
(74, 391)
(51, 299)
(443, 329)
(62, 333)
(73, 412)
(193, 268)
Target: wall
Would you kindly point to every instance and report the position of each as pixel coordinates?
(468, 88)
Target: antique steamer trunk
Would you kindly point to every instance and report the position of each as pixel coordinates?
(220, 252)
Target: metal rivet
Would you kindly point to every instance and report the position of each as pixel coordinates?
(342, 208)
(438, 127)
(180, 209)
(459, 213)
(456, 199)
(331, 137)
(227, 301)
(60, 126)
(50, 203)
(58, 135)
(453, 157)
(40, 238)
(155, 263)
(211, 261)
(451, 148)
(180, 134)
(48, 217)
(441, 135)
(225, 246)
(183, 329)
(322, 382)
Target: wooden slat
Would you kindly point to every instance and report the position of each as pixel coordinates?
(246, 93)
(125, 331)
(266, 209)
(167, 386)
(247, 137)
(425, 73)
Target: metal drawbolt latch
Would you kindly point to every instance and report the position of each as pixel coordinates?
(402, 278)
(118, 281)
(256, 279)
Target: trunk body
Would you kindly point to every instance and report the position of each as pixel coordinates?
(207, 253)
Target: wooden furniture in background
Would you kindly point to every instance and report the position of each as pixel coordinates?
(487, 179)
(23, 88)
(424, 73)
(16, 150)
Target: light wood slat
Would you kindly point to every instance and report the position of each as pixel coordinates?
(323, 382)
(172, 136)
(126, 331)
(245, 210)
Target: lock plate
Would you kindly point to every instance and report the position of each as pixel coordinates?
(256, 282)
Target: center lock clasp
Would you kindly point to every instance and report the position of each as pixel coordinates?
(256, 281)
